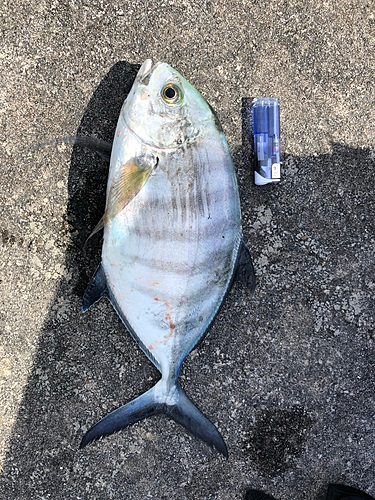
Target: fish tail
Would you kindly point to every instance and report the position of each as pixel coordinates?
(173, 403)
(138, 409)
(187, 414)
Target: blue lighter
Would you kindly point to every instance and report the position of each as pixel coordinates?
(266, 123)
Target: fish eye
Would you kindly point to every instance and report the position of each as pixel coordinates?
(172, 93)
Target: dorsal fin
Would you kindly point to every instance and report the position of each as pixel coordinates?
(96, 289)
(244, 267)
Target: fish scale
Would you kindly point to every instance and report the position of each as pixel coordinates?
(173, 242)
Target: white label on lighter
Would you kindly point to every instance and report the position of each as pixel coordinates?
(276, 171)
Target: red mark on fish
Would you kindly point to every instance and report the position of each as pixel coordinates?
(169, 319)
(172, 326)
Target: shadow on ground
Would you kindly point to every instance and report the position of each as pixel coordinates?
(323, 216)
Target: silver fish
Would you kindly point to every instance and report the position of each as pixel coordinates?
(173, 243)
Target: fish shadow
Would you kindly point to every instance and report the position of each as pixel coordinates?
(67, 365)
(88, 170)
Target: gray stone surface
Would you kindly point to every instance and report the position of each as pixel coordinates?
(287, 376)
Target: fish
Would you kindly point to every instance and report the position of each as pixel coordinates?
(173, 243)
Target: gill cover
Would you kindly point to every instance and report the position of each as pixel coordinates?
(163, 109)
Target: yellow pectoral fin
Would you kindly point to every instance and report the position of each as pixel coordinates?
(130, 179)
(96, 229)
(127, 183)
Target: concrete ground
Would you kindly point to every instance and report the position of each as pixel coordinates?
(288, 375)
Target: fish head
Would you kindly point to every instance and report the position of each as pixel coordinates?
(163, 109)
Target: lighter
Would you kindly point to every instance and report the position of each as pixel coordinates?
(266, 123)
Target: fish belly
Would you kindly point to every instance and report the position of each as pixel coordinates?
(170, 254)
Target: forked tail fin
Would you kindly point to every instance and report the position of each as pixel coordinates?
(175, 404)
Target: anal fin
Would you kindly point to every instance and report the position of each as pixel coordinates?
(96, 289)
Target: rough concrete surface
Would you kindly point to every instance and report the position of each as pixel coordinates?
(288, 375)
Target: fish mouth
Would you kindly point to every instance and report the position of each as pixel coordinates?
(145, 71)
